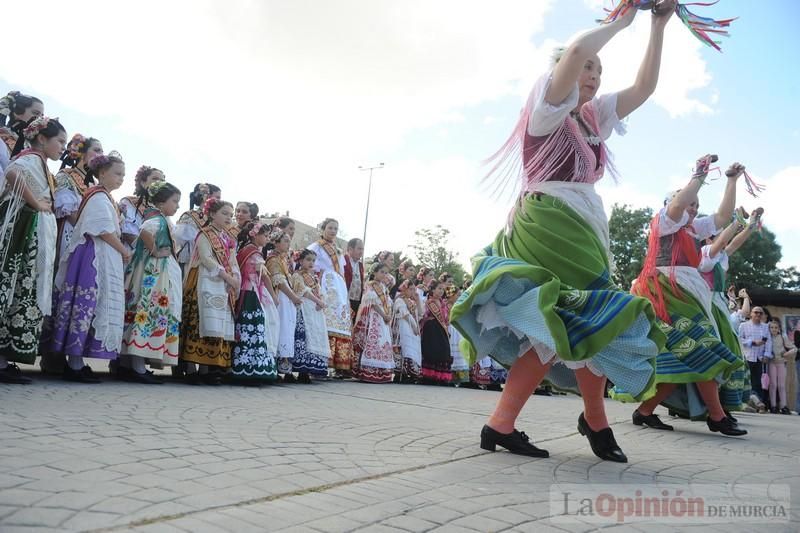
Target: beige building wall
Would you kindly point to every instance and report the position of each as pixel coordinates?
(305, 234)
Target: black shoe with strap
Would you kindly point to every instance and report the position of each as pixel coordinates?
(732, 418)
(84, 375)
(602, 442)
(516, 442)
(12, 374)
(651, 421)
(726, 427)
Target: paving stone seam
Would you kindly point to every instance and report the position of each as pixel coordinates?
(274, 497)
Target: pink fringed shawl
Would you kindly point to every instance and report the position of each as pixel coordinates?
(563, 155)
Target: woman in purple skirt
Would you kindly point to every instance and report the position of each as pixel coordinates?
(90, 311)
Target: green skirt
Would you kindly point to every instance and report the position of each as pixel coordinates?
(695, 353)
(547, 287)
(20, 317)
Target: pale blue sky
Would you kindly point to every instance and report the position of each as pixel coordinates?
(279, 102)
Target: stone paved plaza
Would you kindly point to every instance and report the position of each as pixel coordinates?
(336, 456)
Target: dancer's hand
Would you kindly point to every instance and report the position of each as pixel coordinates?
(734, 171)
(45, 206)
(702, 165)
(662, 13)
(743, 294)
(625, 20)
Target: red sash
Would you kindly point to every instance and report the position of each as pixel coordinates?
(91, 191)
(436, 311)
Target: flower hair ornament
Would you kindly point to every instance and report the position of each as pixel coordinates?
(38, 124)
(76, 146)
(7, 103)
(296, 256)
(703, 28)
(156, 186)
(208, 204)
(104, 159)
(451, 291)
(256, 229)
(275, 235)
(99, 161)
(143, 171)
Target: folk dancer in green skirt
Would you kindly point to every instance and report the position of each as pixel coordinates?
(698, 332)
(714, 263)
(542, 301)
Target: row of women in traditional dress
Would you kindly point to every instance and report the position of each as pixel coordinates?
(120, 282)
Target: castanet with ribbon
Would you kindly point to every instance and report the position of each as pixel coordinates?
(704, 28)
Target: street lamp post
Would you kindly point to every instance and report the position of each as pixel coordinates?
(369, 193)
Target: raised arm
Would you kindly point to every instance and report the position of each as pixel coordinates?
(740, 239)
(721, 240)
(745, 310)
(688, 194)
(728, 203)
(647, 78)
(569, 67)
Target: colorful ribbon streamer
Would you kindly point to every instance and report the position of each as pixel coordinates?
(753, 188)
(704, 28)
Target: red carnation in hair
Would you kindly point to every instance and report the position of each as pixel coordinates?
(208, 205)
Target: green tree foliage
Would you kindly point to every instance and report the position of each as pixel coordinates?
(628, 229)
(790, 279)
(431, 250)
(755, 264)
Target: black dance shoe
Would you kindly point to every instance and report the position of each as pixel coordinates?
(84, 375)
(731, 417)
(785, 411)
(12, 374)
(515, 442)
(147, 378)
(726, 427)
(192, 378)
(602, 442)
(304, 378)
(651, 421)
(211, 378)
